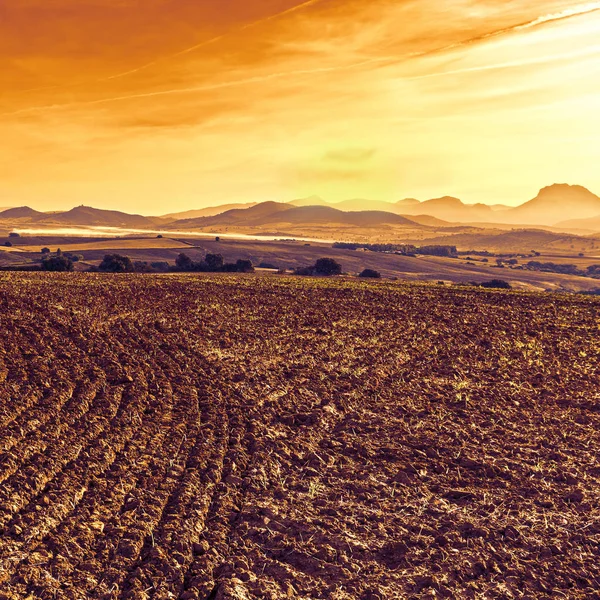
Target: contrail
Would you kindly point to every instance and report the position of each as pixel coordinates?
(512, 64)
(202, 88)
(213, 40)
(575, 11)
(184, 51)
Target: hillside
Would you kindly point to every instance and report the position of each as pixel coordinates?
(398, 441)
(21, 212)
(591, 224)
(523, 240)
(90, 217)
(270, 213)
(451, 209)
(210, 211)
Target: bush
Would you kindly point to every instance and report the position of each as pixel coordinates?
(266, 265)
(447, 251)
(370, 273)
(58, 264)
(496, 283)
(45, 250)
(160, 266)
(14, 234)
(8, 244)
(244, 266)
(327, 267)
(116, 263)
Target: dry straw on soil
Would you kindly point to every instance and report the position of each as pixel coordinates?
(252, 437)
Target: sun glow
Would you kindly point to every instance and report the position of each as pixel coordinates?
(182, 106)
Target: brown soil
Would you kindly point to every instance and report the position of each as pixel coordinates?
(231, 437)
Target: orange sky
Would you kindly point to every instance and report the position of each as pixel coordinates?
(161, 105)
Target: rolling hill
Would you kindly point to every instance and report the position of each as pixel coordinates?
(591, 225)
(517, 240)
(21, 212)
(268, 213)
(94, 217)
(449, 208)
(209, 211)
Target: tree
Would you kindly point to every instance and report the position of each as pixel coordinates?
(214, 262)
(370, 273)
(116, 263)
(45, 250)
(14, 234)
(327, 267)
(184, 263)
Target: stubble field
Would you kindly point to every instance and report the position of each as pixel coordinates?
(198, 437)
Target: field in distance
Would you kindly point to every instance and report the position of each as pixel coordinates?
(194, 437)
(293, 254)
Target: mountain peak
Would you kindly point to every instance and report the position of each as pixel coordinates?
(563, 188)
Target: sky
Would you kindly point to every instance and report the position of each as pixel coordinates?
(155, 106)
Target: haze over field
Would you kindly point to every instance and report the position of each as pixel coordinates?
(162, 106)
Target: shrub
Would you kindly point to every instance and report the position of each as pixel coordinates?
(116, 263)
(141, 266)
(14, 234)
(58, 264)
(8, 244)
(244, 266)
(327, 267)
(370, 273)
(160, 266)
(496, 283)
(448, 251)
(45, 250)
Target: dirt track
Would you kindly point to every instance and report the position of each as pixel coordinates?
(253, 437)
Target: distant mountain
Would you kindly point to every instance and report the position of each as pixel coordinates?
(361, 204)
(210, 211)
(310, 201)
(21, 212)
(592, 224)
(268, 213)
(87, 216)
(447, 208)
(329, 215)
(408, 202)
(236, 216)
(553, 203)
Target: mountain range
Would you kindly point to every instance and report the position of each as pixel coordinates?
(548, 209)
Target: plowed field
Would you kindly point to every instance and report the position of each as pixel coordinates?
(260, 437)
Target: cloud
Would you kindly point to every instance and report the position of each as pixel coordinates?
(350, 155)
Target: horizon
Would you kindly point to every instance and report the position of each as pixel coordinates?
(195, 106)
(331, 203)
